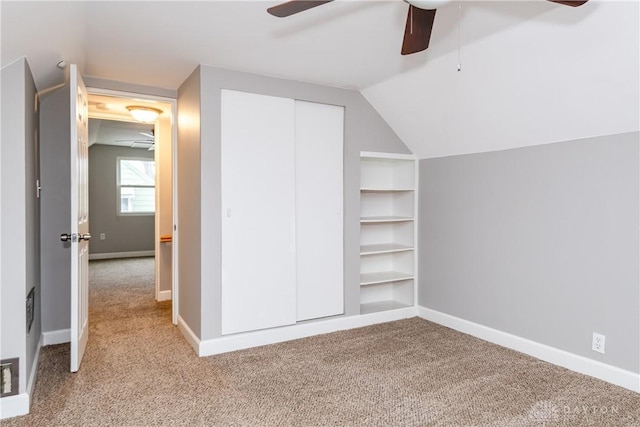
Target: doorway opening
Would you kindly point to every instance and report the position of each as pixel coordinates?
(132, 194)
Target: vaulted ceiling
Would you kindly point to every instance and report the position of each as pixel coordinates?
(532, 71)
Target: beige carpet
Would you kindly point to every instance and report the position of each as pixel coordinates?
(139, 371)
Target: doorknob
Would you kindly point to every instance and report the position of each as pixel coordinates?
(65, 237)
(85, 236)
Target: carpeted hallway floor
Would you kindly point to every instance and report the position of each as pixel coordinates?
(139, 371)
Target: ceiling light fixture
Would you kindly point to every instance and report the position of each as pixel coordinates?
(144, 114)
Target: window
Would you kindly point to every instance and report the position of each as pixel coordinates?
(136, 186)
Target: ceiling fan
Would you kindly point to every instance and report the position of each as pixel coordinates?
(148, 142)
(417, 32)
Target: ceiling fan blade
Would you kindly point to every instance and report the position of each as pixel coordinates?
(147, 134)
(569, 3)
(292, 7)
(417, 32)
(139, 141)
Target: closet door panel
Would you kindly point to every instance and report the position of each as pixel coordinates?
(319, 201)
(258, 212)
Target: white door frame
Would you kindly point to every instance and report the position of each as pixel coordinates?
(174, 168)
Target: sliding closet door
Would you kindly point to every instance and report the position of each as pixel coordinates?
(258, 212)
(319, 224)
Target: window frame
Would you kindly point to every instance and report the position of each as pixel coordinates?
(119, 187)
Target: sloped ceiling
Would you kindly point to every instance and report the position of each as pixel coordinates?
(533, 71)
(568, 74)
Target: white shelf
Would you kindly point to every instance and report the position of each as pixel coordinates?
(384, 248)
(388, 209)
(383, 277)
(388, 156)
(387, 171)
(388, 218)
(374, 307)
(385, 190)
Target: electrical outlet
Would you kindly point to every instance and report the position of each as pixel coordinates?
(103, 236)
(598, 343)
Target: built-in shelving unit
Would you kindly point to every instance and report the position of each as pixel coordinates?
(387, 231)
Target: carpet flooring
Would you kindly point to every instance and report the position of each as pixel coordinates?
(139, 371)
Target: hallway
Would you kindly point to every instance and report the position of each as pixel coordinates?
(124, 376)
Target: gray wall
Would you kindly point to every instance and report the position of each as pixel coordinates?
(32, 232)
(365, 130)
(124, 233)
(56, 210)
(20, 216)
(189, 196)
(539, 242)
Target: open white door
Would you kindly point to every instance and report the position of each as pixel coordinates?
(79, 235)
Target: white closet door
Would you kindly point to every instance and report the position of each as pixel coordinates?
(319, 224)
(258, 212)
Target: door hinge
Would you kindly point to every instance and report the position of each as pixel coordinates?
(38, 188)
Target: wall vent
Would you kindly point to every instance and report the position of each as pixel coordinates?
(9, 370)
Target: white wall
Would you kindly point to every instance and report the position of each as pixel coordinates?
(96, 82)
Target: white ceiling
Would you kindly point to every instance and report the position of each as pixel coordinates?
(511, 48)
(159, 43)
(568, 74)
(115, 107)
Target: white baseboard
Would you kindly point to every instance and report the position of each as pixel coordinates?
(114, 255)
(164, 296)
(241, 341)
(34, 369)
(56, 337)
(12, 406)
(571, 361)
(189, 335)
